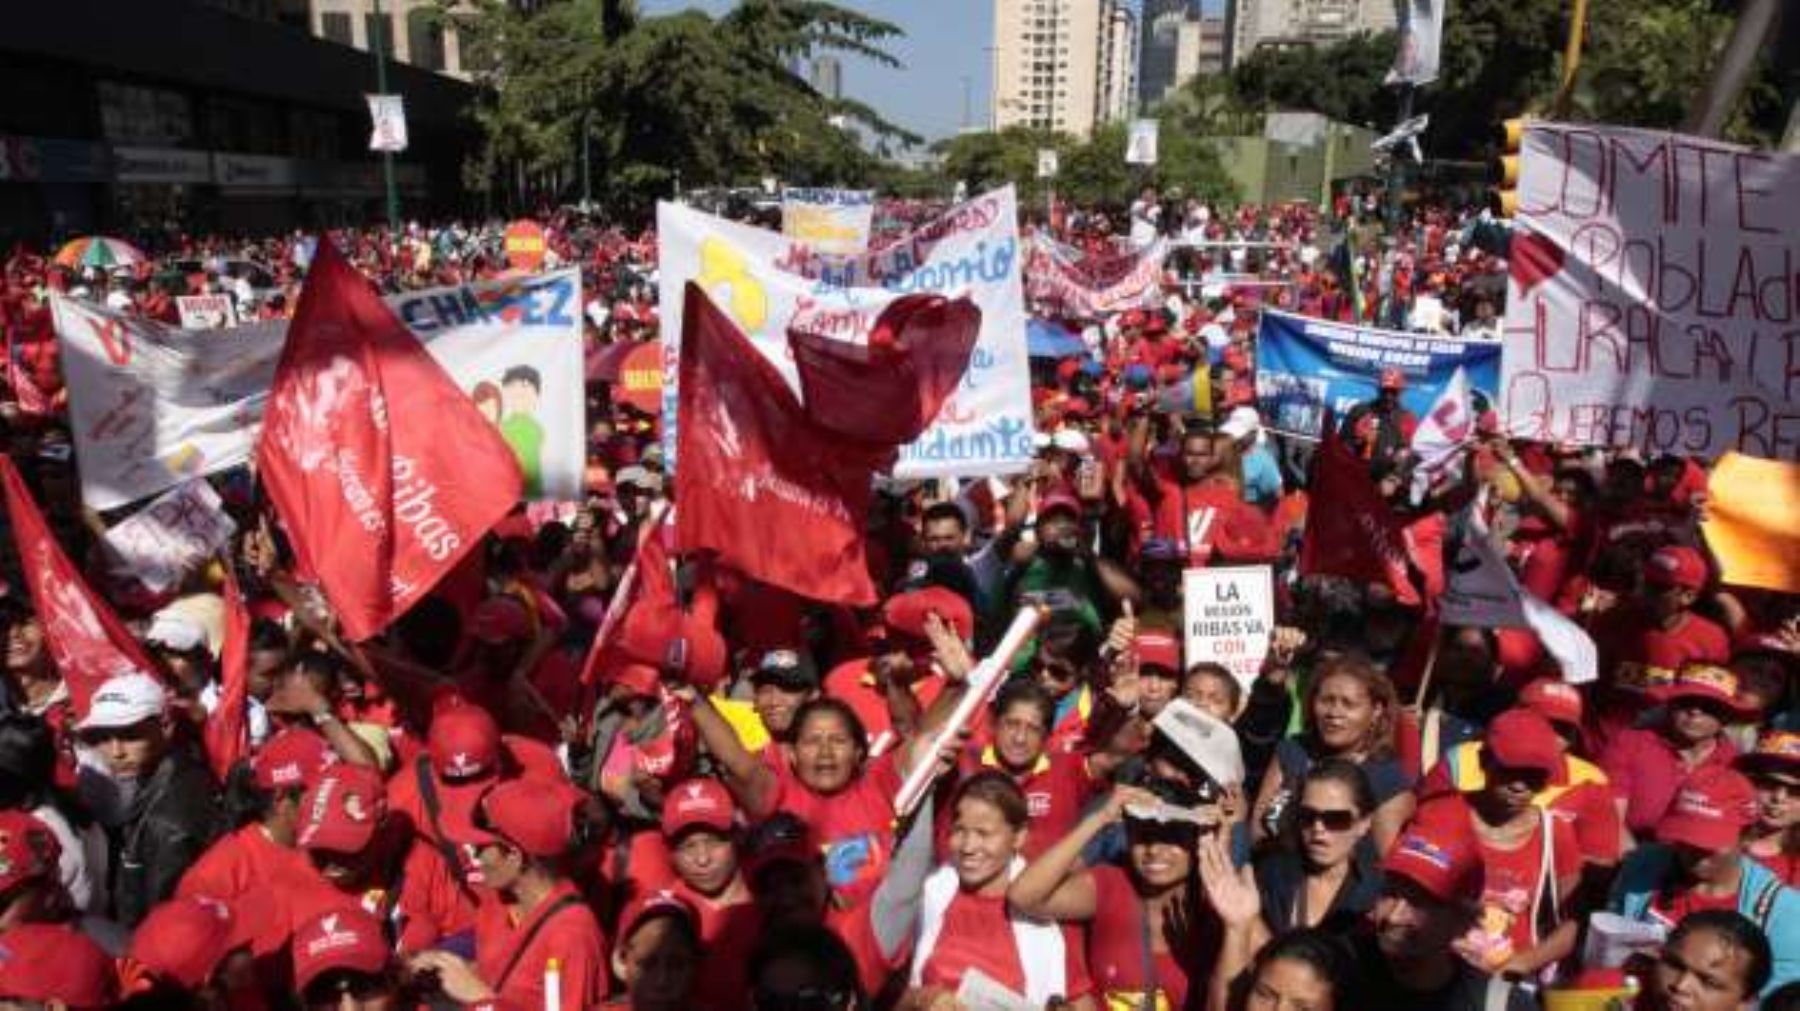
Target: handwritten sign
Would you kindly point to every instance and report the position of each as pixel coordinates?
(830, 221)
(160, 542)
(206, 312)
(1230, 615)
(1078, 286)
(1653, 300)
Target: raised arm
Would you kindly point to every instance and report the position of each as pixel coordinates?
(748, 777)
(1054, 887)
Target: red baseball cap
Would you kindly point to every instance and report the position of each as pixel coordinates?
(1554, 700)
(55, 961)
(703, 803)
(346, 938)
(292, 758)
(343, 810)
(906, 612)
(1439, 854)
(1059, 500)
(464, 740)
(1524, 739)
(499, 620)
(648, 905)
(534, 816)
(185, 939)
(1676, 565)
(1703, 681)
(1710, 811)
(638, 679)
(1393, 379)
(28, 849)
(1159, 649)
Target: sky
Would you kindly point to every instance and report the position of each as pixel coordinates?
(946, 41)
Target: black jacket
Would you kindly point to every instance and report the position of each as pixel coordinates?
(170, 823)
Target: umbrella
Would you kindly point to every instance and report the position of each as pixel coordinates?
(99, 251)
(1047, 340)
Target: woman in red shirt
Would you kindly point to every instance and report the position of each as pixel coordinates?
(964, 916)
(1141, 918)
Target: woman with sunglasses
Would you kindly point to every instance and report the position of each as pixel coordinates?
(1327, 875)
(1773, 838)
(1142, 936)
(1350, 709)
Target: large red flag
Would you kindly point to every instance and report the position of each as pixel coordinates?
(1350, 530)
(885, 392)
(85, 637)
(383, 472)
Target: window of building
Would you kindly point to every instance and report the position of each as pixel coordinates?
(384, 25)
(424, 39)
(335, 26)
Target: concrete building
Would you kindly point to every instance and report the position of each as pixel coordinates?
(1258, 23)
(1063, 64)
(826, 75)
(410, 32)
(1180, 42)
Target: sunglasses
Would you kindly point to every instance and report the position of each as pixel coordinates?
(807, 999)
(328, 990)
(1334, 820)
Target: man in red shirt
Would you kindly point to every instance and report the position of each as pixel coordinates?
(1203, 508)
(1647, 765)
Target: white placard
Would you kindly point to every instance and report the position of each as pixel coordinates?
(206, 312)
(161, 541)
(1229, 617)
(1048, 163)
(387, 118)
(1140, 144)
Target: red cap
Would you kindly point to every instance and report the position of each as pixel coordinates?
(1776, 751)
(638, 679)
(499, 620)
(1059, 500)
(55, 961)
(1710, 811)
(291, 759)
(1556, 701)
(697, 803)
(1159, 649)
(534, 816)
(1439, 855)
(1676, 565)
(346, 938)
(28, 849)
(1393, 379)
(343, 810)
(1156, 322)
(1704, 681)
(185, 939)
(1524, 739)
(906, 612)
(464, 740)
(661, 902)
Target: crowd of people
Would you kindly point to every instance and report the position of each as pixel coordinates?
(1394, 813)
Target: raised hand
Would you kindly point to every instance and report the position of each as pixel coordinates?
(1231, 890)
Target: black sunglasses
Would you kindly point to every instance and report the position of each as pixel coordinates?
(807, 999)
(1334, 820)
(329, 989)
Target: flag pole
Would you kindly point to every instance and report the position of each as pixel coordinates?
(377, 45)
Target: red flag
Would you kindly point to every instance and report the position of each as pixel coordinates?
(646, 624)
(85, 637)
(1350, 531)
(382, 471)
(887, 391)
(227, 731)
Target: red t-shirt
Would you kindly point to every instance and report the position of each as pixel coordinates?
(1056, 790)
(1115, 949)
(569, 934)
(1644, 769)
(854, 826)
(430, 906)
(728, 933)
(857, 931)
(1213, 523)
(976, 934)
(248, 861)
(521, 757)
(1511, 878)
(1591, 809)
(1674, 908)
(1785, 865)
(852, 683)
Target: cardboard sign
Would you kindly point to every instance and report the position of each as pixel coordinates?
(1653, 299)
(160, 542)
(1230, 615)
(524, 244)
(830, 221)
(1753, 522)
(206, 312)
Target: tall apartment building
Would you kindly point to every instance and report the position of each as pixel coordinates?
(409, 31)
(1258, 23)
(1180, 42)
(1063, 64)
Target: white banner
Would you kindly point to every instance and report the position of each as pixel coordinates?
(1443, 433)
(1140, 144)
(1079, 286)
(206, 312)
(830, 221)
(1653, 300)
(153, 405)
(159, 542)
(1421, 40)
(387, 118)
(1229, 617)
(768, 284)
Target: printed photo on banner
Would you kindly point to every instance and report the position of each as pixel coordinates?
(159, 543)
(153, 405)
(767, 283)
(1307, 367)
(1230, 615)
(1653, 299)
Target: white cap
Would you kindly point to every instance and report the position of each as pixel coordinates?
(123, 701)
(1204, 739)
(1070, 440)
(1242, 421)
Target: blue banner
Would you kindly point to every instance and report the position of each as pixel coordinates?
(1306, 366)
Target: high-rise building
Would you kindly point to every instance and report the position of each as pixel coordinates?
(1258, 23)
(411, 30)
(1180, 42)
(1063, 64)
(826, 75)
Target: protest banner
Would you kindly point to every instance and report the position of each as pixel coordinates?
(1653, 299)
(1482, 592)
(206, 312)
(1077, 286)
(523, 242)
(830, 221)
(153, 405)
(1750, 510)
(766, 283)
(1229, 616)
(159, 543)
(1306, 367)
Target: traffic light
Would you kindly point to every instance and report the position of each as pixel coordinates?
(1506, 191)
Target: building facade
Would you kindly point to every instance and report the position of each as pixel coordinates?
(410, 30)
(1259, 23)
(1180, 41)
(1063, 65)
(1118, 64)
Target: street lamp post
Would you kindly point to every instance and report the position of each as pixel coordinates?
(377, 45)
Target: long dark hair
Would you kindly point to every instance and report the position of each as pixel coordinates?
(28, 769)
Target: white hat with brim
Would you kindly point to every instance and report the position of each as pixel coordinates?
(124, 701)
(1205, 740)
